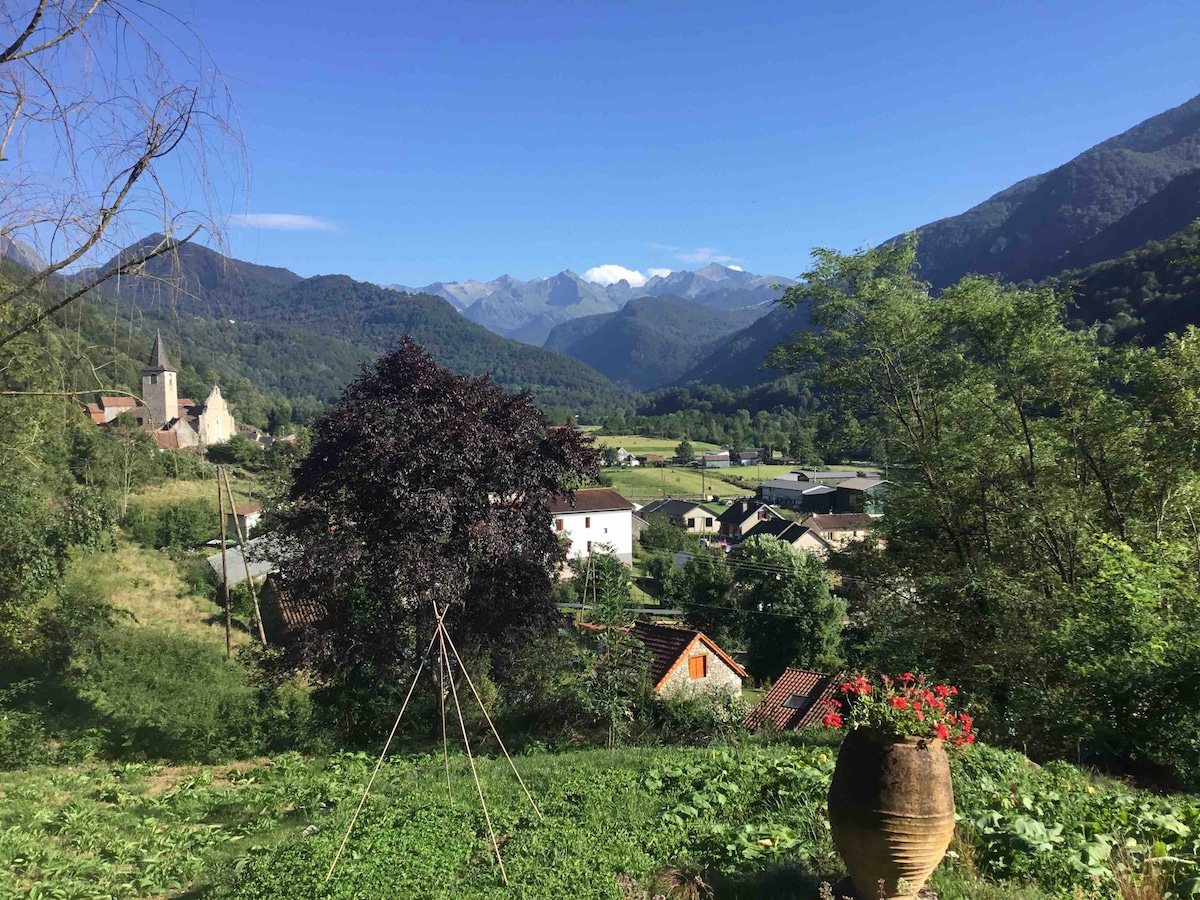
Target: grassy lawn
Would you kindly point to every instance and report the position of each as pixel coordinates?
(637, 444)
(650, 483)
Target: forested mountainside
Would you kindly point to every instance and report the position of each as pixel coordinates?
(738, 360)
(97, 353)
(651, 341)
(1144, 294)
(310, 335)
(1032, 229)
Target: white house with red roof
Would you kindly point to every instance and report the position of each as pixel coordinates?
(592, 519)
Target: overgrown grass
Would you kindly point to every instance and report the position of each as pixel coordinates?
(173, 491)
(150, 586)
(751, 819)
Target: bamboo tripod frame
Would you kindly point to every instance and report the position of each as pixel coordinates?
(446, 651)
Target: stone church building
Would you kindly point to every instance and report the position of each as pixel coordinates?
(176, 422)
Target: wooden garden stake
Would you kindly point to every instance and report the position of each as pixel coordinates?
(262, 634)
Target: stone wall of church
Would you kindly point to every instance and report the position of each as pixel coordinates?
(216, 422)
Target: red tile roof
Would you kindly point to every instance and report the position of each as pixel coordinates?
(813, 686)
(166, 440)
(118, 401)
(669, 646)
(247, 509)
(589, 500)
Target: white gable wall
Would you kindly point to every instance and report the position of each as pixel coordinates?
(613, 527)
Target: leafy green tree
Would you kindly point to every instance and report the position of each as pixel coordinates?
(660, 534)
(239, 450)
(1024, 444)
(684, 452)
(1126, 668)
(133, 454)
(703, 590)
(186, 523)
(602, 584)
(792, 618)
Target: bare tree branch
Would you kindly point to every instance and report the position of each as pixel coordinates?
(10, 55)
(165, 245)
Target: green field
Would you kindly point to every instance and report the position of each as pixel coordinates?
(650, 483)
(637, 444)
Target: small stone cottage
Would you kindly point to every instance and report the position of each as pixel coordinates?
(685, 661)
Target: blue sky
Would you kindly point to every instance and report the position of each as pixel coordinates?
(453, 140)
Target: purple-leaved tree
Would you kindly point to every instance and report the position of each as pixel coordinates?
(422, 486)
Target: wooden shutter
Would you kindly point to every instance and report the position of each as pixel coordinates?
(698, 667)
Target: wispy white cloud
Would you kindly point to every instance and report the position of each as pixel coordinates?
(610, 273)
(282, 221)
(702, 255)
(660, 273)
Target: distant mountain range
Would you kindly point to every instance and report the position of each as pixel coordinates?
(1111, 225)
(529, 310)
(288, 331)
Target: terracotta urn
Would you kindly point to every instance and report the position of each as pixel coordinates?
(891, 810)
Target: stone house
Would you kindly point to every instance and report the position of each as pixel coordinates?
(840, 529)
(801, 536)
(245, 515)
(683, 661)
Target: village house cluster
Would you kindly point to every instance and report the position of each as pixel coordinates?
(177, 423)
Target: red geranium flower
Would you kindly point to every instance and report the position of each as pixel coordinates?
(900, 702)
(942, 731)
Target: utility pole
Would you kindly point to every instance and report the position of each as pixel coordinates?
(225, 571)
(262, 634)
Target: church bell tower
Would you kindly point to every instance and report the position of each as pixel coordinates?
(159, 388)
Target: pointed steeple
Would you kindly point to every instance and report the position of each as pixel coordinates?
(158, 357)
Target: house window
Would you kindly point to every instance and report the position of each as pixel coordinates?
(558, 525)
(698, 667)
(691, 523)
(154, 379)
(589, 546)
(708, 523)
(587, 521)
